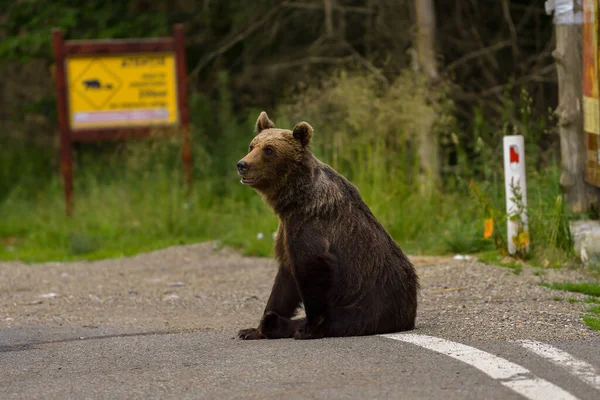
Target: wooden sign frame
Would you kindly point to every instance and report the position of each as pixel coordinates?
(63, 49)
(591, 91)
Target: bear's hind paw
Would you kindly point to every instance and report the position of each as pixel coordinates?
(302, 334)
(250, 334)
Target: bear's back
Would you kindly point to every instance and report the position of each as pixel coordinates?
(373, 274)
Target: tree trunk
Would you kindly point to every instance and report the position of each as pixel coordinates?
(580, 195)
(425, 15)
(427, 65)
(328, 18)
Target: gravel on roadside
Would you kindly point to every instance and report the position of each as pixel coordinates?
(199, 287)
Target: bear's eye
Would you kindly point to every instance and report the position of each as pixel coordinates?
(268, 150)
(250, 149)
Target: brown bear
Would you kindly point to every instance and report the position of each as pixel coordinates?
(334, 256)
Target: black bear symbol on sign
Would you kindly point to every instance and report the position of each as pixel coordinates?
(95, 84)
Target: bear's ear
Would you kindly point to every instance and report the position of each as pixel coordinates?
(303, 132)
(263, 122)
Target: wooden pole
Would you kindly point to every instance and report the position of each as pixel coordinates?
(569, 66)
(184, 114)
(591, 92)
(425, 19)
(428, 144)
(66, 160)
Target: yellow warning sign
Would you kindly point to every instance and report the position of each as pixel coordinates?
(122, 90)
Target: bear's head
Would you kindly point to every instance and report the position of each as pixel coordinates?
(274, 154)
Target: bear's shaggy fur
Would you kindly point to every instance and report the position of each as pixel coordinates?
(334, 256)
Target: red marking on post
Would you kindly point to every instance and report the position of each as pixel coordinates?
(514, 155)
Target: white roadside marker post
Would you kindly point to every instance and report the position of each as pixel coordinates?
(514, 177)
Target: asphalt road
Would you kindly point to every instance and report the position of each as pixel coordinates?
(212, 365)
(162, 325)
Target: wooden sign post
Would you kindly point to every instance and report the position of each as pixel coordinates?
(120, 89)
(591, 85)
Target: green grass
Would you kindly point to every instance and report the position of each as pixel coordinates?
(589, 300)
(134, 202)
(592, 322)
(589, 288)
(497, 258)
(595, 310)
(111, 221)
(594, 300)
(130, 198)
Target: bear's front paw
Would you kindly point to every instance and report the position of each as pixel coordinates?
(250, 334)
(270, 321)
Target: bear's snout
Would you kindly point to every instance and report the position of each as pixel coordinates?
(242, 167)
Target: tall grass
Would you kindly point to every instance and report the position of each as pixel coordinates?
(130, 197)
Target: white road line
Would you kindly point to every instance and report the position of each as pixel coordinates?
(511, 375)
(581, 369)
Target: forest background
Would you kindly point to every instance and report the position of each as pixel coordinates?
(409, 100)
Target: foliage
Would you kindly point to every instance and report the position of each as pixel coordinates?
(354, 113)
(268, 46)
(130, 196)
(356, 85)
(27, 25)
(588, 288)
